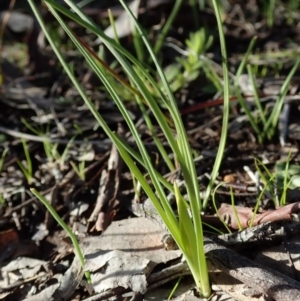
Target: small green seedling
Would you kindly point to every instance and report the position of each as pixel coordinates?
(27, 167)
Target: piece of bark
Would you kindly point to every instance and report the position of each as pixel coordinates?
(137, 236)
(69, 281)
(46, 294)
(284, 257)
(64, 287)
(233, 290)
(262, 279)
(260, 235)
(112, 269)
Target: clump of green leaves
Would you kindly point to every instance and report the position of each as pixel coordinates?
(278, 181)
(186, 230)
(263, 122)
(189, 66)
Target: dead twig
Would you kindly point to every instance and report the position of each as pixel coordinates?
(109, 186)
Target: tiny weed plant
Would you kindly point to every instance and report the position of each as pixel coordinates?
(267, 179)
(277, 183)
(188, 67)
(263, 123)
(79, 169)
(26, 167)
(51, 150)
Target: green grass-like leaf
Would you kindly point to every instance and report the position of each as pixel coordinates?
(65, 227)
(27, 170)
(226, 108)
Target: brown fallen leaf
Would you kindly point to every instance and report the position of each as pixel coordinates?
(245, 215)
